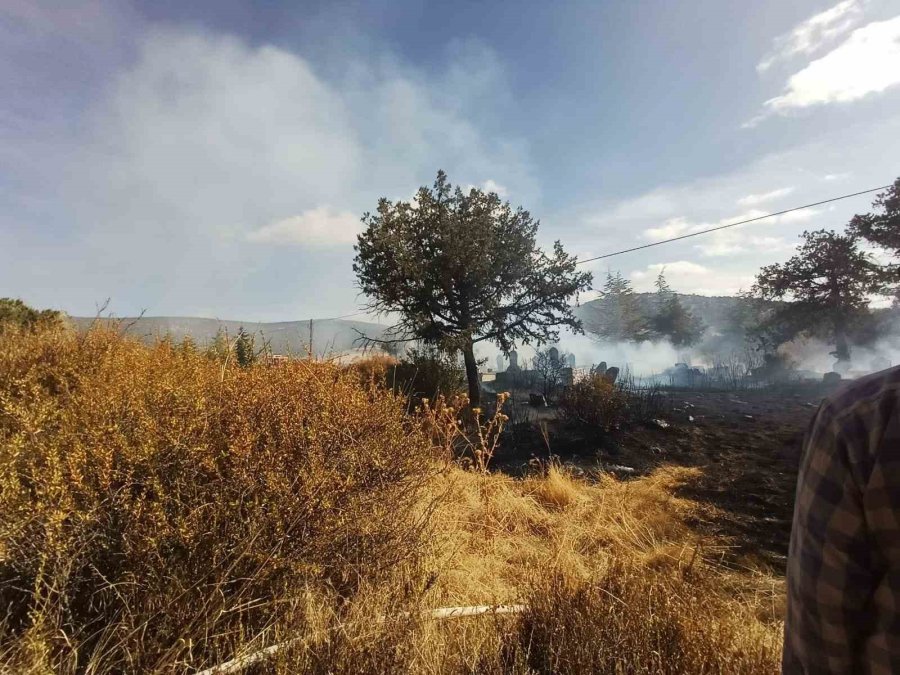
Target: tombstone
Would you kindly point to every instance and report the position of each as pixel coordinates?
(831, 378)
(513, 360)
(537, 400)
(501, 363)
(611, 375)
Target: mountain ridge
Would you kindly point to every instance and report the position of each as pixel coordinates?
(329, 336)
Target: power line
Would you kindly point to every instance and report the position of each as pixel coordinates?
(722, 227)
(343, 316)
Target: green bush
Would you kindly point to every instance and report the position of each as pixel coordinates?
(17, 313)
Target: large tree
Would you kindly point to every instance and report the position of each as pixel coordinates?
(828, 284)
(882, 228)
(463, 267)
(616, 315)
(671, 319)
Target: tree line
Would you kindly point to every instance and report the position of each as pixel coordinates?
(618, 315)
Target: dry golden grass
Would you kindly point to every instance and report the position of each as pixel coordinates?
(161, 513)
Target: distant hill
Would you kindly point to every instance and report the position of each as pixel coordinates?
(285, 337)
(339, 335)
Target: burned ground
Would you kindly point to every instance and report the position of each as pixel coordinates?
(746, 444)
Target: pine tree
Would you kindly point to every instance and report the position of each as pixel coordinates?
(828, 284)
(672, 320)
(244, 349)
(882, 228)
(617, 316)
(220, 347)
(460, 268)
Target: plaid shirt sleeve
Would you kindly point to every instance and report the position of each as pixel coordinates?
(831, 575)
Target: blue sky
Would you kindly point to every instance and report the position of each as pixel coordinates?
(213, 158)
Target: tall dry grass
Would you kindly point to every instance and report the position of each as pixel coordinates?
(156, 506)
(161, 513)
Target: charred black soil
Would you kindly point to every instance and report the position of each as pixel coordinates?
(746, 444)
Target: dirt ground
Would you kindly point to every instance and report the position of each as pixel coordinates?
(747, 445)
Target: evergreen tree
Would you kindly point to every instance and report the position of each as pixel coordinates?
(882, 228)
(464, 267)
(244, 351)
(220, 347)
(617, 316)
(828, 284)
(671, 319)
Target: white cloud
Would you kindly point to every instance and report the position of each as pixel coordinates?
(677, 267)
(492, 186)
(680, 226)
(201, 138)
(835, 176)
(684, 276)
(733, 242)
(316, 227)
(798, 216)
(867, 62)
(753, 200)
(866, 151)
(730, 242)
(810, 35)
(674, 227)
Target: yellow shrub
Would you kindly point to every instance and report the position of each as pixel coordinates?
(145, 489)
(161, 511)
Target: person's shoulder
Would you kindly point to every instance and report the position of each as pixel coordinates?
(860, 395)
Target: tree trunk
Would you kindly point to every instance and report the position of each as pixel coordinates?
(472, 375)
(841, 348)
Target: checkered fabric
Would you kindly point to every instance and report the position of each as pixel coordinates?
(843, 612)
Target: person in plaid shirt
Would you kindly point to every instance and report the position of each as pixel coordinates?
(843, 577)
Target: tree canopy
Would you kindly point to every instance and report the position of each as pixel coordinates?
(617, 315)
(15, 312)
(244, 348)
(829, 283)
(882, 228)
(672, 319)
(462, 267)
